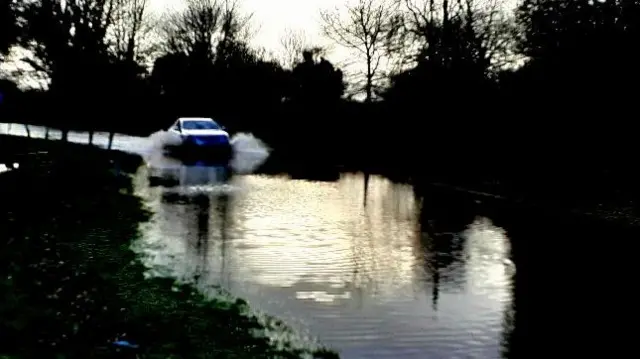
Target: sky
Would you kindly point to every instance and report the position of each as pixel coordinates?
(273, 17)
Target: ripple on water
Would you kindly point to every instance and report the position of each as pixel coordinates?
(364, 280)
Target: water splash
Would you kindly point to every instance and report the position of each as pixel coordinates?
(249, 152)
(163, 138)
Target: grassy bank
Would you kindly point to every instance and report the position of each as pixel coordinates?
(71, 286)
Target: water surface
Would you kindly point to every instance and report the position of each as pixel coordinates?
(361, 276)
(366, 280)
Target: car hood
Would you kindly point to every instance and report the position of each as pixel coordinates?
(205, 133)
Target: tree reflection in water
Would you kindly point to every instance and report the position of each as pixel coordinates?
(211, 211)
(313, 252)
(511, 333)
(457, 247)
(442, 243)
(197, 190)
(202, 208)
(222, 210)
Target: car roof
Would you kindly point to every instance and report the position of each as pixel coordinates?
(182, 119)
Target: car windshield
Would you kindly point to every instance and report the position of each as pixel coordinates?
(199, 125)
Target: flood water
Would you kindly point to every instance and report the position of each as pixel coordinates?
(373, 277)
(365, 280)
(376, 278)
(359, 275)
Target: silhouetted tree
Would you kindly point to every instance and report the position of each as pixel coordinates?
(293, 44)
(581, 63)
(449, 31)
(364, 32)
(195, 30)
(9, 29)
(8, 93)
(80, 46)
(316, 79)
(209, 69)
(169, 73)
(453, 44)
(68, 39)
(205, 35)
(9, 32)
(130, 31)
(455, 49)
(581, 45)
(236, 33)
(576, 49)
(68, 34)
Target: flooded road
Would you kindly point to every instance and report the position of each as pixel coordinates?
(365, 280)
(361, 276)
(391, 276)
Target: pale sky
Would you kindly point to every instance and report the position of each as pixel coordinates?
(273, 17)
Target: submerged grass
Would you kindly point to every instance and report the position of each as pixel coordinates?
(71, 286)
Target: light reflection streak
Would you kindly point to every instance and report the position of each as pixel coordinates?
(315, 241)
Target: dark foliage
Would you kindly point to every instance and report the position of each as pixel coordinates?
(9, 26)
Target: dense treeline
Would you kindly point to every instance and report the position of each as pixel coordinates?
(446, 83)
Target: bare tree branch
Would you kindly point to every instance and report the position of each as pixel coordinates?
(131, 28)
(481, 27)
(363, 30)
(193, 30)
(206, 29)
(293, 43)
(64, 33)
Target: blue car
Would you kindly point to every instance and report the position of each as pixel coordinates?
(199, 137)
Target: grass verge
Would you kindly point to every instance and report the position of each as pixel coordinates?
(71, 285)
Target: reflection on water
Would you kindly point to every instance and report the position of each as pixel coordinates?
(371, 281)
